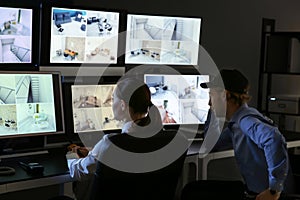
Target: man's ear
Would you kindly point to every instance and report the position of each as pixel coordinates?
(226, 95)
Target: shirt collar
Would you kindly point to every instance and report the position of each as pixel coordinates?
(127, 126)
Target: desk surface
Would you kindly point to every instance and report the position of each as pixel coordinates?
(55, 165)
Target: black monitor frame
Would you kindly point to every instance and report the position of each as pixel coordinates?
(178, 95)
(32, 141)
(138, 72)
(34, 5)
(46, 34)
(185, 68)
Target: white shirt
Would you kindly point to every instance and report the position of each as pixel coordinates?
(82, 168)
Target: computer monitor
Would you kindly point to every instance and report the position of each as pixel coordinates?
(169, 40)
(77, 35)
(179, 98)
(30, 104)
(19, 35)
(92, 108)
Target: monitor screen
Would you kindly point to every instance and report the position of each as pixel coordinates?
(18, 36)
(30, 104)
(82, 36)
(92, 108)
(162, 40)
(179, 98)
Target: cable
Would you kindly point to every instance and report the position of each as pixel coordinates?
(6, 171)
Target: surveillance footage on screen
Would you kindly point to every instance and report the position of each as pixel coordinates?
(79, 36)
(162, 40)
(92, 108)
(26, 104)
(15, 35)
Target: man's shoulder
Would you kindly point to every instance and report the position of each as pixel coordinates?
(245, 112)
(250, 110)
(251, 113)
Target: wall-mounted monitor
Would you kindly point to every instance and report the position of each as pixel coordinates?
(19, 36)
(153, 39)
(179, 98)
(75, 36)
(30, 104)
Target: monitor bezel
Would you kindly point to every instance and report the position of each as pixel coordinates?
(46, 34)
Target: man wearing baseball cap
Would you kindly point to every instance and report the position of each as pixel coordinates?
(259, 147)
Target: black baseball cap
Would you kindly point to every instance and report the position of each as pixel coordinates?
(233, 81)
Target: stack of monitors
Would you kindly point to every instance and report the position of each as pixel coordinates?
(179, 98)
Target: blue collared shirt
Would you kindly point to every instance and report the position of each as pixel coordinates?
(260, 150)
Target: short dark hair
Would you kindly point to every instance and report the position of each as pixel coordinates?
(135, 93)
(239, 98)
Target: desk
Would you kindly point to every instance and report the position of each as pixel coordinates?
(56, 169)
(55, 172)
(223, 154)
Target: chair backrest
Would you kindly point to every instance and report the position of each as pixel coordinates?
(110, 183)
(213, 189)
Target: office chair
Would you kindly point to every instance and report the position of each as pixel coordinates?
(160, 184)
(213, 189)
